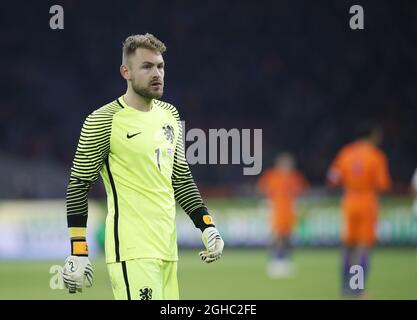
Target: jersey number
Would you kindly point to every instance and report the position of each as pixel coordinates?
(158, 155)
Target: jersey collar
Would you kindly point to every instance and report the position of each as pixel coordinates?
(122, 101)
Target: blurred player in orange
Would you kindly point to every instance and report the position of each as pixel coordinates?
(281, 185)
(361, 168)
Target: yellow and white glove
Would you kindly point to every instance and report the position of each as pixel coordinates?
(78, 271)
(214, 245)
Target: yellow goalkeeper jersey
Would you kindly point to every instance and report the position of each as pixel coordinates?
(140, 157)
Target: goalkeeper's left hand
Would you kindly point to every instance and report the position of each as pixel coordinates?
(214, 245)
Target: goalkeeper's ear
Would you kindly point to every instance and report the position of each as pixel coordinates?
(201, 218)
(79, 245)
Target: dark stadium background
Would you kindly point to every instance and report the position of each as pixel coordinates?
(292, 68)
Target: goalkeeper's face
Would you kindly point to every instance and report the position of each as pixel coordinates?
(146, 73)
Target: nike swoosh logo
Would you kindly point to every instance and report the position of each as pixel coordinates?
(132, 135)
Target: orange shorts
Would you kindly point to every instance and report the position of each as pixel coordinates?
(283, 225)
(359, 225)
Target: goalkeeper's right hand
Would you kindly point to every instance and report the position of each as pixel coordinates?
(78, 271)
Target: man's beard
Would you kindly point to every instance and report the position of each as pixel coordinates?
(145, 92)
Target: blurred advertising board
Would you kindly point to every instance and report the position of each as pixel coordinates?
(38, 229)
(245, 222)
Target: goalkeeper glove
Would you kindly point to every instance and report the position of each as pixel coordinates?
(214, 245)
(78, 271)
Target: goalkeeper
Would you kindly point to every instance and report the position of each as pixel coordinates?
(135, 144)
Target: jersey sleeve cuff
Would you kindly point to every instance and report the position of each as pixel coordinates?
(77, 232)
(201, 218)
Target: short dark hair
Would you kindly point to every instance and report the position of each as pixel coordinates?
(148, 41)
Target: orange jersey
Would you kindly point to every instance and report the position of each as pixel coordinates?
(282, 187)
(362, 170)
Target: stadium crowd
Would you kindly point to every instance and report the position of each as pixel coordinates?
(296, 71)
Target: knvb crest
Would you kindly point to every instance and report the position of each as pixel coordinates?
(169, 132)
(145, 293)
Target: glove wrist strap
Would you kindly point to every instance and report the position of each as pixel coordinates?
(79, 247)
(202, 218)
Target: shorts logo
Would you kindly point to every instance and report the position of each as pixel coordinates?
(145, 293)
